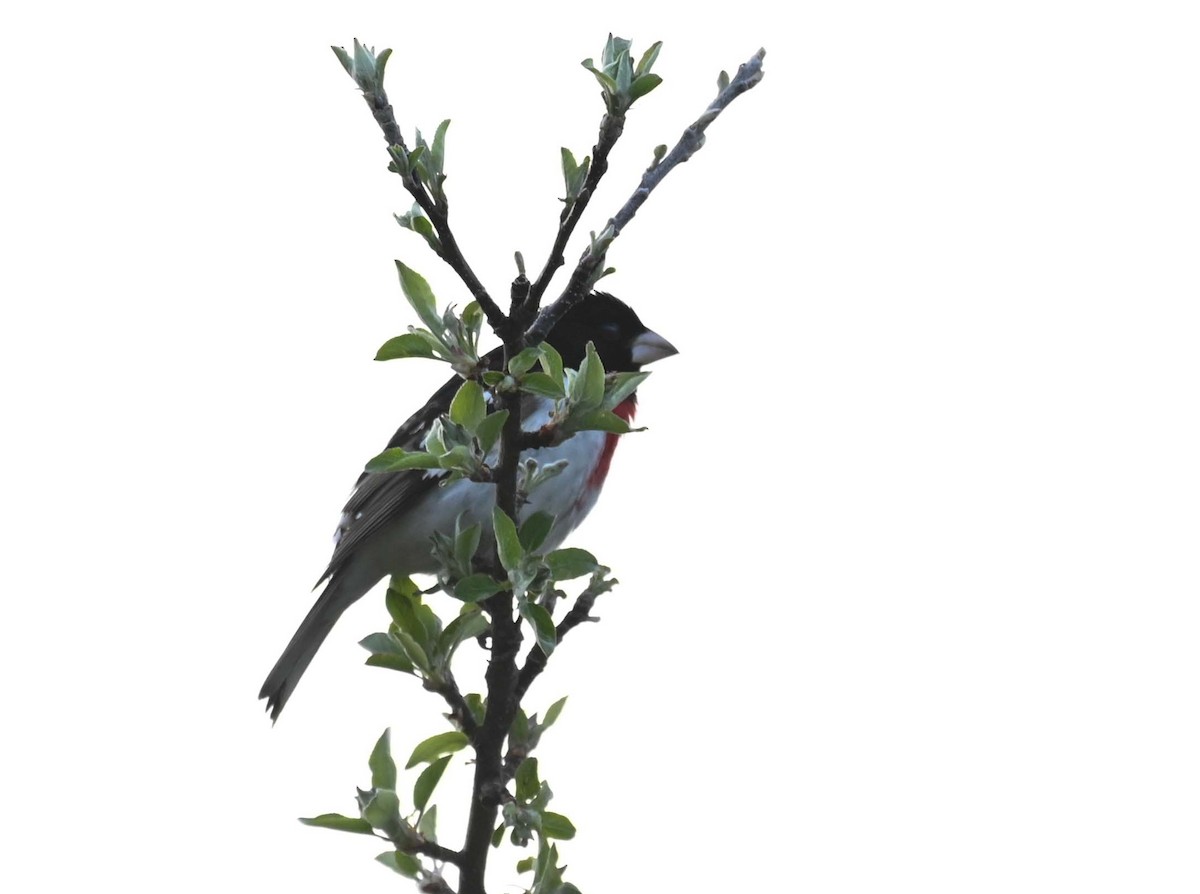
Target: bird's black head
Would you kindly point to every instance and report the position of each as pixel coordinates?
(622, 340)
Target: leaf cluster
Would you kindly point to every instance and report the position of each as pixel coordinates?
(621, 82)
(447, 336)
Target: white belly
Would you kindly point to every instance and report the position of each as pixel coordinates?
(403, 547)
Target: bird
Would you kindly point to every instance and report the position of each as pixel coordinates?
(387, 526)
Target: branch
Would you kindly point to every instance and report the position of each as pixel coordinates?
(448, 689)
(535, 661)
(439, 216)
(437, 212)
(611, 127)
(488, 784)
(434, 850)
(748, 75)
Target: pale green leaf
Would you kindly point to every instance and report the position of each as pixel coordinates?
(436, 746)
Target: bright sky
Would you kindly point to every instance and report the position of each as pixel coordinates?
(908, 555)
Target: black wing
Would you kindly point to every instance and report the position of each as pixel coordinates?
(380, 497)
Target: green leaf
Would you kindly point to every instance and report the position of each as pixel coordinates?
(643, 85)
(535, 529)
(606, 82)
(525, 864)
(348, 64)
(602, 420)
(424, 227)
(381, 64)
(581, 175)
(648, 58)
(555, 825)
(427, 825)
(398, 165)
(570, 563)
(383, 810)
(435, 746)
(466, 542)
(398, 861)
(339, 822)
(413, 650)
(383, 768)
(380, 644)
(552, 361)
(428, 781)
(364, 65)
(543, 384)
(468, 408)
(472, 316)
(624, 73)
(402, 592)
(438, 150)
(477, 587)
(508, 544)
(466, 626)
(592, 373)
(569, 167)
(543, 625)
(476, 705)
(488, 431)
(391, 662)
(621, 385)
(524, 361)
(408, 345)
(402, 606)
(552, 712)
(420, 296)
(615, 47)
(431, 624)
(518, 731)
(498, 835)
(435, 439)
(527, 779)
(395, 459)
(458, 459)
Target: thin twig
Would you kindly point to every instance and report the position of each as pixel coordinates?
(611, 127)
(749, 73)
(434, 850)
(535, 661)
(437, 212)
(460, 713)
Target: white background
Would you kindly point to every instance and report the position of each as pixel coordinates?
(908, 556)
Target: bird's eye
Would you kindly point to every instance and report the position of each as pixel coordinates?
(610, 331)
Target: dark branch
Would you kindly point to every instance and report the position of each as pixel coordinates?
(749, 74)
(501, 676)
(460, 714)
(434, 850)
(439, 216)
(488, 783)
(437, 212)
(535, 661)
(611, 127)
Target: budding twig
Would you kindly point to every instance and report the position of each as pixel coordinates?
(748, 75)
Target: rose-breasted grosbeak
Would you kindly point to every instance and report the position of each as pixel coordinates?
(387, 526)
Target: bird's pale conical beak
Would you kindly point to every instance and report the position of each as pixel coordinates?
(650, 346)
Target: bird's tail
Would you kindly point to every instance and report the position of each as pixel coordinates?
(339, 594)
